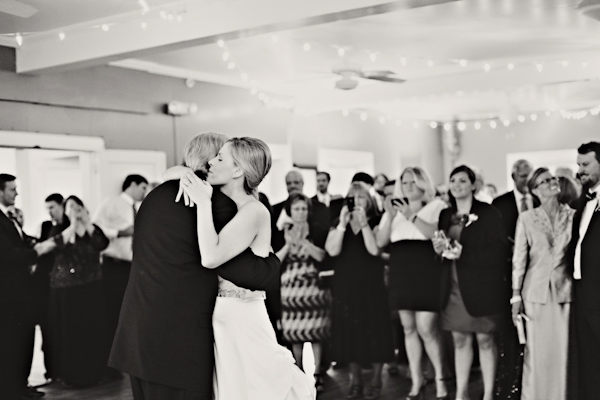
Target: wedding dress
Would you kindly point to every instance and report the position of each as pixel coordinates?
(249, 363)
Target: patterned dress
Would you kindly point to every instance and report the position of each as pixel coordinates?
(305, 306)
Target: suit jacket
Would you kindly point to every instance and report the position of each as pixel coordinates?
(15, 282)
(507, 205)
(482, 266)
(539, 259)
(165, 328)
(590, 266)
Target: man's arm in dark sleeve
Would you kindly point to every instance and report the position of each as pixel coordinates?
(252, 272)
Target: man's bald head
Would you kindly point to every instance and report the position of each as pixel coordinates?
(294, 182)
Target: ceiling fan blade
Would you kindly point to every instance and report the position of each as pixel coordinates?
(385, 78)
(17, 8)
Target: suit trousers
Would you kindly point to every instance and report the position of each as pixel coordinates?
(16, 350)
(588, 342)
(145, 390)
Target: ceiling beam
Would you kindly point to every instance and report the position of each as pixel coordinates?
(202, 22)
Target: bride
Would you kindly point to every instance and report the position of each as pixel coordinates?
(249, 363)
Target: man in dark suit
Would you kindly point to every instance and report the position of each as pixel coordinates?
(164, 339)
(16, 299)
(323, 196)
(585, 250)
(512, 203)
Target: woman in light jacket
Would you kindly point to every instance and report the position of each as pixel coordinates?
(542, 289)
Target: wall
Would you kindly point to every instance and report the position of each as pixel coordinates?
(487, 148)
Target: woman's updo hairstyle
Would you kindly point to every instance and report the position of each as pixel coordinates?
(254, 159)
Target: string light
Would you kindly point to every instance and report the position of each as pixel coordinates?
(345, 112)
(61, 36)
(510, 66)
(487, 67)
(461, 126)
(533, 117)
(144, 25)
(105, 27)
(430, 63)
(225, 56)
(539, 67)
(19, 39)
(477, 125)
(220, 43)
(521, 118)
(447, 126)
(463, 63)
(433, 124)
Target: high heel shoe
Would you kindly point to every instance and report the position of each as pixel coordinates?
(445, 397)
(419, 396)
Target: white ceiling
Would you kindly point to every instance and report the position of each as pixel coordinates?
(518, 56)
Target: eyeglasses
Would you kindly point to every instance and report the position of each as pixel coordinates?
(547, 180)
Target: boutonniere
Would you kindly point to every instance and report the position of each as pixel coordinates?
(470, 219)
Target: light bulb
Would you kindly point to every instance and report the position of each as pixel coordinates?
(220, 43)
(19, 39)
(61, 36)
(461, 126)
(105, 27)
(363, 116)
(487, 67)
(433, 124)
(477, 125)
(463, 63)
(226, 56)
(345, 112)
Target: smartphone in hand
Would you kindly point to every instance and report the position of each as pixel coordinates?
(350, 203)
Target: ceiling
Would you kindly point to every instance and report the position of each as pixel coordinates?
(461, 59)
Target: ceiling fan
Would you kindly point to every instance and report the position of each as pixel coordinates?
(349, 72)
(17, 8)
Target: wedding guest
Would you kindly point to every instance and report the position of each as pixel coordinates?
(408, 223)
(473, 292)
(116, 218)
(17, 315)
(78, 319)
(542, 289)
(41, 277)
(585, 253)
(361, 318)
(379, 182)
(323, 196)
(305, 306)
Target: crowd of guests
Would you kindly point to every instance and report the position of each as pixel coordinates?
(509, 281)
(69, 280)
(504, 281)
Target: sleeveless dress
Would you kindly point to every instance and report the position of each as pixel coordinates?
(249, 363)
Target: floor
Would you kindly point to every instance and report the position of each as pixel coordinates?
(336, 384)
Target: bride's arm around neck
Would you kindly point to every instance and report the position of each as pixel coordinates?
(249, 228)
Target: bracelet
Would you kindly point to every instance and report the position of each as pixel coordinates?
(516, 299)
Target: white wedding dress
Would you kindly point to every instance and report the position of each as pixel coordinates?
(249, 363)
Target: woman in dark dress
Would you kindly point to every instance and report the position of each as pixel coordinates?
(361, 324)
(475, 251)
(409, 222)
(306, 308)
(77, 306)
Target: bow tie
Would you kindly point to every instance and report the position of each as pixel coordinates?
(589, 196)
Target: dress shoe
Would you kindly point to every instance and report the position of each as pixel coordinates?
(31, 393)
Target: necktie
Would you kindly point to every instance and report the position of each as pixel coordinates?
(134, 213)
(524, 206)
(589, 196)
(13, 218)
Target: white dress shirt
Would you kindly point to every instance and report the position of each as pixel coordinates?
(114, 215)
(586, 218)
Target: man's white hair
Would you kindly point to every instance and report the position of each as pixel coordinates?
(202, 148)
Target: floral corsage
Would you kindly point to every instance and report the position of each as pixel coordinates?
(469, 219)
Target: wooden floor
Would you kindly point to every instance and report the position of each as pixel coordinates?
(336, 384)
(394, 388)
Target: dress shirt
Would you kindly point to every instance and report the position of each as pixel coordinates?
(586, 218)
(403, 229)
(114, 215)
(324, 198)
(528, 199)
(4, 209)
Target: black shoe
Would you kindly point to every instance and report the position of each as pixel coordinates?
(31, 393)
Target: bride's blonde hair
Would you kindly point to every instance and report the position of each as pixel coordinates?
(254, 159)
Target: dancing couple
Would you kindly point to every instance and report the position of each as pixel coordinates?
(193, 323)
